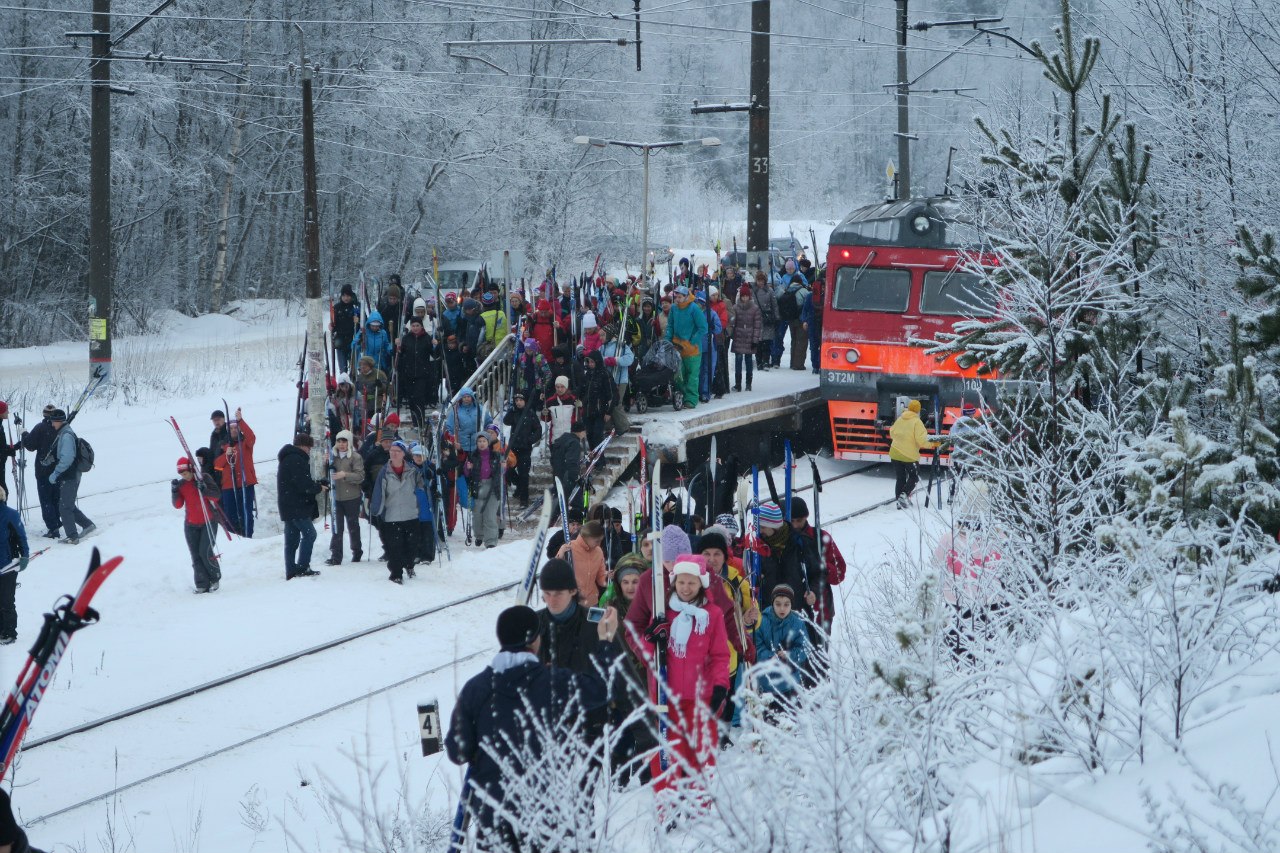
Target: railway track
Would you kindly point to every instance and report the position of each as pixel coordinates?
(242, 675)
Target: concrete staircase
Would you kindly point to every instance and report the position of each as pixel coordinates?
(622, 451)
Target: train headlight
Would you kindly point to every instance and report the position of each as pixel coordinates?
(921, 224)
(852, 356)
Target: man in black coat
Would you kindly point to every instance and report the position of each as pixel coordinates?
(40, 441)
(566, 456)
(417, 351)
(568, 639)
(513, 711)
(345, 321)
(526, 431)
(296, 492)
(556, 540)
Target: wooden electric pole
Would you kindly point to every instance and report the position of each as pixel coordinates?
(317, 388)
(758, 133)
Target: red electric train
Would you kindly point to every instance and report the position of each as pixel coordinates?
(895, 277)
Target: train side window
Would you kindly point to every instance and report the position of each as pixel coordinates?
(959, 294)
(872, 290)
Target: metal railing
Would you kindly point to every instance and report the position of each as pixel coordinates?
(491, 381)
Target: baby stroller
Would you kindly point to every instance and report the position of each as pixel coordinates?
(653, 380)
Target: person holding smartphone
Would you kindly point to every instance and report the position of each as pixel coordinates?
(568, 639)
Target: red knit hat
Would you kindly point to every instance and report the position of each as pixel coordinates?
(184, 464)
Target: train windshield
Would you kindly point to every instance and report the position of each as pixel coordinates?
(872, 290)
(957, 293)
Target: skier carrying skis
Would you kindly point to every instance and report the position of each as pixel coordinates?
(66, 475)
(39, 441)
(239, 479)
(827, 571)
(492, 725)
(693, 634)
(526, 431)
(566, 456)
(908, 437)
(343, 326)
(483, 470)
(397, 505)
(347, 467)
(200, 524)
(13, 546)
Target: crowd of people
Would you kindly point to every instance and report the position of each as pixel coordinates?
(581, 343)
(740, 610)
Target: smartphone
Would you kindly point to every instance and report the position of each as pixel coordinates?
(595, 614)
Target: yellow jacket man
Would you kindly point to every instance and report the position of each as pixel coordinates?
(908, 437)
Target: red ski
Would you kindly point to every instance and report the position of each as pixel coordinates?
(68, 616)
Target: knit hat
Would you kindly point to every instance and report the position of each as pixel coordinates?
(489, 297)
(729, 522)
(744, 290)
(914, 406)
(557, 575)
(419, 303)
(576, 515)
(588, 320)
(675, 540)
(387, 434)
(692, 564)
(713, 291)
(770, 515)
(344, 379)
(400, 444)
(57, 415)
(49, 409)
(783, 590)
(346, 433)
(415, 320)
(713, 539)
(799, 509)
(517, 628)
(183, 464)
(562, 380)
(630, 564)
(347, 290)
(470, 304)
(451, 295)
(416, 449)
(393, 419)
(578, 426)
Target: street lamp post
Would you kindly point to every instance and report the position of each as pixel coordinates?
(644, 148)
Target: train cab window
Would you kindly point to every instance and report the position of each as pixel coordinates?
(957, 293)
(860, 289)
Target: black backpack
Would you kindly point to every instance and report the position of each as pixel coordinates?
(84, 455)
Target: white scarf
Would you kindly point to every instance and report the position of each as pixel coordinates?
(691, 619)
(504, 661)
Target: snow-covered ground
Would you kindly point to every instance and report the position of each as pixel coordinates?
(294, 746)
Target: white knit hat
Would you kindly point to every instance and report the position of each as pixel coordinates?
(562, 380)
(588, 320)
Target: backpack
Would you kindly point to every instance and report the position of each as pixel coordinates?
(789, 305)
(84, 455)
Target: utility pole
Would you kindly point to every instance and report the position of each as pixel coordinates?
(758, 132)
(904, 127)
(317, 388)
(100, 193)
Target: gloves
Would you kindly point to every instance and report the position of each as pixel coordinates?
(718, 696)
(53, 479)
(658, 631)
(23, 562)
(610, 361)
(174, 485)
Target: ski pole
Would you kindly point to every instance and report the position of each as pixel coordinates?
(13, 567)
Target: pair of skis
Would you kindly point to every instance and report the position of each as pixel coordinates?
(69, 615)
